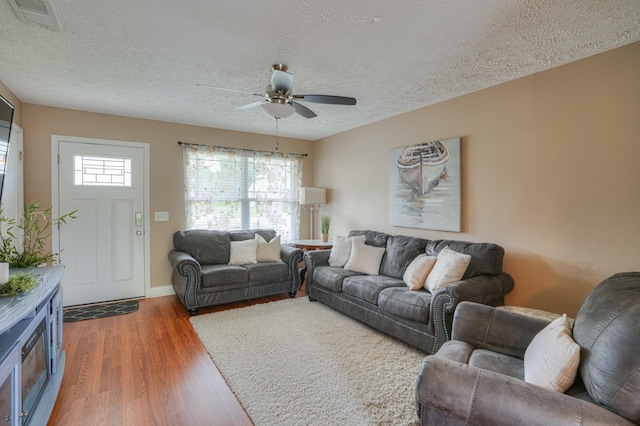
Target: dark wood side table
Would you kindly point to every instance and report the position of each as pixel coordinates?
(310, 245)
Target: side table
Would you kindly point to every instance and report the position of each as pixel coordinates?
(310, 245)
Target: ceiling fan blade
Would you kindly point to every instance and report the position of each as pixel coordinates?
(303, 110)
(228, 89)
(281, 81)
(249, 106)
(326, 99)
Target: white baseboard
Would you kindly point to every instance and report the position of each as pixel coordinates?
(163, 290)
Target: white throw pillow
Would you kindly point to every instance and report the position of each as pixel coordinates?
(551, 359)
(341, 250)
(243, 252)
(449, 268)
(268, 251)
(364, 259)
(417, 271)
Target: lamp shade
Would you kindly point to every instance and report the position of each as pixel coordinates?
(311, 195)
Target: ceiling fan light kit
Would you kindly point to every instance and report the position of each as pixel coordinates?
(277, 110)
(280, 102)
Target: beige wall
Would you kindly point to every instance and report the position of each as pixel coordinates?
(166, 176)
(550, 171)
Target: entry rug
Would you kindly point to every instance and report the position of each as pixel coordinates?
(294, 362)
(81, 313)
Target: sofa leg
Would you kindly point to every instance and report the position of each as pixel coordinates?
(311, 299)
(192, 311)
(292, 293)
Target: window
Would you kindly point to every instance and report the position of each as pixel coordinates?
(230, 189)
(101, 171)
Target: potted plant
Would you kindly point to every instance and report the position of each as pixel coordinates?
(36, 229)
(325, 224)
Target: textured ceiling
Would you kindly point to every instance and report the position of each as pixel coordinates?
(144, 58)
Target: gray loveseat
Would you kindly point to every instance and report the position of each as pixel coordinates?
(478, 376)
(202, 275)
(384, 301)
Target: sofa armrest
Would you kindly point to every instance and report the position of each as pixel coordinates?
(292, 256)
(313, 259)
(186, 277)
(449, 392)
(498, 330)
(184, 263)
(485, 289)
(287, 253)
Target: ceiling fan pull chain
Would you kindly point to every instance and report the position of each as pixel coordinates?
(277, 140)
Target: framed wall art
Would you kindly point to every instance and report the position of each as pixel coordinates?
(424, 185)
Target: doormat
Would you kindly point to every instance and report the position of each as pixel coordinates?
(81, 313)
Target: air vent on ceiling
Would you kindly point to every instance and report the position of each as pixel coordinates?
(39, 12)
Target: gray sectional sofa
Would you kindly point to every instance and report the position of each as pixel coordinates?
(202, 275)
(386, 303)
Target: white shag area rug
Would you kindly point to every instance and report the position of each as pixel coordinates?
(293, 362)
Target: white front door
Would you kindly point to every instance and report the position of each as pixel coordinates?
(103, 250)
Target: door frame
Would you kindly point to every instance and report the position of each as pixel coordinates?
(55, 235)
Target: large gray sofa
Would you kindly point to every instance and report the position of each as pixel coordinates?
(203, 277)
(384, 301)
(478, 376)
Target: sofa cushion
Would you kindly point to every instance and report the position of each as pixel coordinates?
(368, 287)
(486, 258)
(401, 250)
(220, 275)
(207, 247)
(250, 234)
(364, 259)
(341, 250)
(268, 271)
(330, 277)
(607, 329)
(405, 303)
(497, 362)
(551, 359)
(372, 238)
(243, 252)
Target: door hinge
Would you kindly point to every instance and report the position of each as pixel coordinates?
(58, 159)
(20, 154)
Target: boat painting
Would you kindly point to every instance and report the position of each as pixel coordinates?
(421, 166)
(424, 185)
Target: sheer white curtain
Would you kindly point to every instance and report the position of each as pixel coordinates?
(230, 189)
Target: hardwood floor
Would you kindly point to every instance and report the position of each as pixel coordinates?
(145, 368)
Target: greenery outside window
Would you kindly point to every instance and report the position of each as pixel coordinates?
(230, 189)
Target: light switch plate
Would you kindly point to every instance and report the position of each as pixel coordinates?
(161, 216)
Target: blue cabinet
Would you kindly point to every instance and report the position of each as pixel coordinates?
(31, 354)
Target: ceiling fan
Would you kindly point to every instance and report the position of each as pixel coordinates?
(280, 102)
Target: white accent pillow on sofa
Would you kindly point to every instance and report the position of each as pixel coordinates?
(268, 251)
(243, 252)
(551, 359)
(364, 259)
(417, 271)
(449, 268)
(341, 250)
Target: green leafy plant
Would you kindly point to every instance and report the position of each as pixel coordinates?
(36, 229)
(325, 224)
(18, 283)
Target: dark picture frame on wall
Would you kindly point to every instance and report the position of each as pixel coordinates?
(425, 185)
